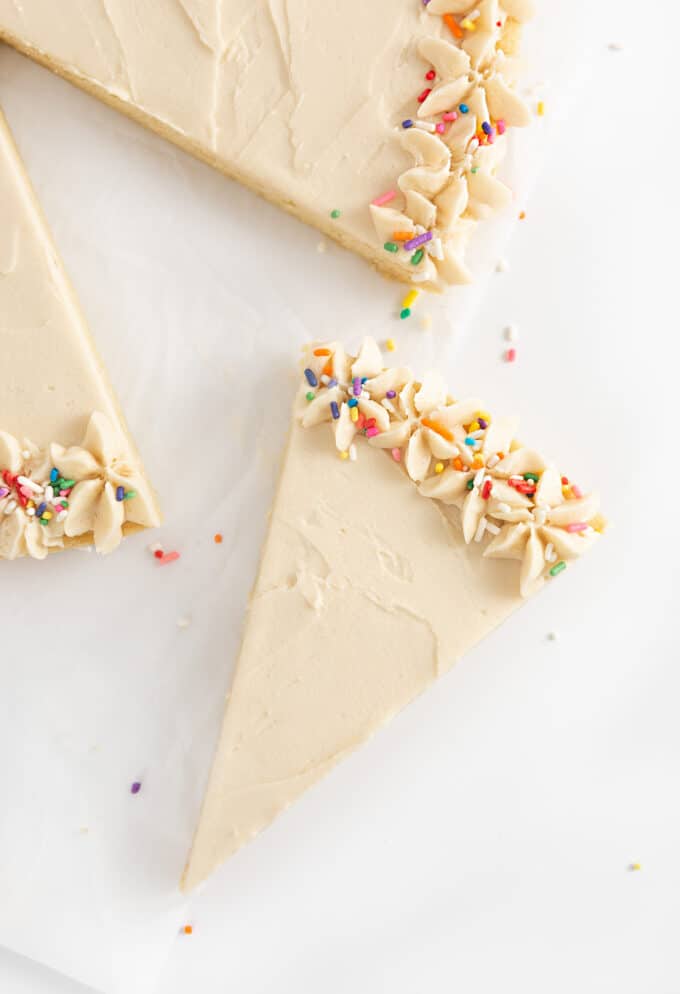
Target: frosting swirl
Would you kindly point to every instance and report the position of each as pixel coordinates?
(457, 139)
(506, 494)
(57, 493)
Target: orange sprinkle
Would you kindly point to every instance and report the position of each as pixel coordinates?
(438, 428)
(452, 25)
(327, 369)
(217, 539)
(188, 929)
(401, 236)
(478, 462)
(458, 464)
(522, 215)
(322, 351)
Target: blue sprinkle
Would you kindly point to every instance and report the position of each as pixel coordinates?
(469, 441)
(408, 123)
(40, 510)
(311, 378)
(332, 382)
(334, 410)
(120, 493)
(54, 475)
(352, 402)
(364, 379)
(486, 128)
(464, 108)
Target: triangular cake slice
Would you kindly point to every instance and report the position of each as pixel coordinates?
(381, 125)
(69, 473)
(389, 554)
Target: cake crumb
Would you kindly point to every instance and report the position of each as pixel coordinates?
(511, 333)
(615, 46)
(502, 266)
(183, 622)
(552, 636)
(321, 247)
(426, 322)
(634, 867)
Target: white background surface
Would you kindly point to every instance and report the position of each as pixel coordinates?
(481, 842)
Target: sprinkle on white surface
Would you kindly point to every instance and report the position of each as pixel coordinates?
(615, 46)
(511, 333)
(502, 266)
(183, 622)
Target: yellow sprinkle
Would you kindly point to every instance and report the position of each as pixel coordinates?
(439, 468)
(474, 426)
(354, 413)
(46, 515)
(635, 866)
(540, 108)
(468, 24)
(344, 455)
(410, 298)
(484, 415)
(389, 345)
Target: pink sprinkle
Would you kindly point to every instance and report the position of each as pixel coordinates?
(396, 455)
(451, 115)
(169, 557)
(384, 198)
(500, 127)
(25, 491)
(372, 432)
(440, 128)
(511, 355)
(577, 526)
(577, 492)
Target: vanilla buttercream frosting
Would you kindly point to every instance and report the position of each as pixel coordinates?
(69, 472)
(369, 121)
(371, 584)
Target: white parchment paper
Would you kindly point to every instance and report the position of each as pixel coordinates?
(199, 296)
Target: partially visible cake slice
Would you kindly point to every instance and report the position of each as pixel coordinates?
(384, 563)
(380, 123)
(69, 473)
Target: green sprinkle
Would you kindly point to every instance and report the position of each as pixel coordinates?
(67, 484)
(391, 247)
(531, 476)
(44, 521)
(470, 483)
(130, 495)
(417, 256)
(310, 395)
(335, 214)
(475, 169)
(558, 568)
(406, 313)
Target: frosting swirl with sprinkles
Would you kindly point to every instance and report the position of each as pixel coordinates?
(508, 497)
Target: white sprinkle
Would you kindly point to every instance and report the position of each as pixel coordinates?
(477, 434)
(49, 493)
(455, 451)
(156, 547)
(424, 125)
(502, 266)
(552, 636)
(62, 515)
(491, 527)
(183, 622)
(492, 461)
(353, 452)
(473, 146)
(540, 515)
(511, 333)
(481, 528)
(26, 482)
(25, 454)
(473, 15)
(419, 276)
(478, 478)
(435, 249)
(517, 479)
(550, 554)
(10, 507)
(30, 511)
(325, 380)
(504, 508)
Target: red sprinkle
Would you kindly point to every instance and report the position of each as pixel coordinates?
(430, 74)
(486, 489)
(158, 553)
(424, 95)
(168, 557)
(511, 355)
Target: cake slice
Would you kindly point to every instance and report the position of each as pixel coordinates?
(69, 473)
(382, 124)
(397, 541)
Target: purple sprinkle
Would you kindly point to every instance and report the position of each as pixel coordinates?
(391, 394)
(120, 493)
(332, 382)
(408, 123)
(413, 243)
(3, 491)
(482, 423)
(356, 386)
(311, 378)
(335, 410)
(136, 787)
